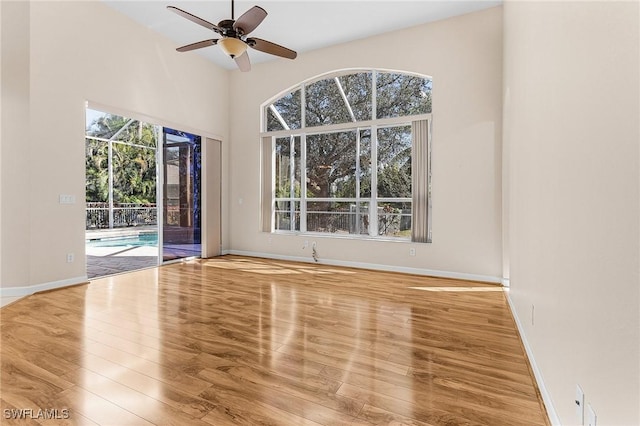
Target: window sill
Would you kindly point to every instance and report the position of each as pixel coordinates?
(344, 236)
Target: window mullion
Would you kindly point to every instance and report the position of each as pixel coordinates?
(110, 180)
(303, 159)
(292, 177)
(374, 94)
(341, 127)
(303, 107)
(357, 181)
(303, 183)
(373, 205)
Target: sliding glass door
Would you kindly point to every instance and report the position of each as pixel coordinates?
(181, 211)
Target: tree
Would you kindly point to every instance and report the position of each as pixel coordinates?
(331, 156)
(96, 165)
(134, 161)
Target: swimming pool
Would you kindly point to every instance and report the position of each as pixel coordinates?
(140, 240)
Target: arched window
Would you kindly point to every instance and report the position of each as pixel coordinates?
(348, 153)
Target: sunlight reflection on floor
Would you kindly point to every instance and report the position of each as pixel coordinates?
(260, 267)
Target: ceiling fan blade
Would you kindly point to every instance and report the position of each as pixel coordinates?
(243, 62)
(271, 48)
(193, 18)
(198, 45)
(250, 20)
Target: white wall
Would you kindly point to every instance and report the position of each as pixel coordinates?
(63, 54)
(464, 57)
(13, 131)
(572, 137)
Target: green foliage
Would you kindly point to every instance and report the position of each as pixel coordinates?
(388, 219)
(331, 165)
(394, 182)
(134, 174)
(134, 167)
(324, 104)
(96, 165)
(359, 93)
(402, 94)
(283, 168)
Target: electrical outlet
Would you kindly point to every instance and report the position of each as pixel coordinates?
(412, 252)
(306, 244)
(70, 257)
(591, 416)
(579, 405)
(270, 240)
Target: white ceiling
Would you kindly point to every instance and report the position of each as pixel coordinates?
(301, 25)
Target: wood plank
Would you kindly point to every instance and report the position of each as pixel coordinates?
(98, 409)
(163, 392)
(238, 340)
(140, 404)
(237, 392)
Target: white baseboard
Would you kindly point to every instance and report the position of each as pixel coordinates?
(29, 290)
(374, 266)
(546, 397)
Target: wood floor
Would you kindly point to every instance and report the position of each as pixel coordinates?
(239, 340)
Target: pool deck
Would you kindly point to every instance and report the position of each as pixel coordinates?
(106, 260)
(103, 261)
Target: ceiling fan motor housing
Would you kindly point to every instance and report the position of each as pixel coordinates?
(227, 30)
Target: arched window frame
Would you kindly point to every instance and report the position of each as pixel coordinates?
(298, 202)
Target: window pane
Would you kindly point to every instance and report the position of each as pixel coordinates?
(287, 216)
(272, 122)
(365, 163)
(118, 128)
(394, 219)
(394, 162)
(331, 165)
(338, 217)
(287, 114)
(357, 88)
(97, 171)
(341, 165)
(324, 104)
(134, 184)
(361, 225)
(134, 174)
(402, 94)
(288, 161)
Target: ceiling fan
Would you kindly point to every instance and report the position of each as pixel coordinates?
(234, 41)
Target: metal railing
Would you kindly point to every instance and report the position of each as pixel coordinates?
(390, 223)
(124, 215)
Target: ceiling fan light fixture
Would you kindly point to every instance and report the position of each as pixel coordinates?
(232, 46)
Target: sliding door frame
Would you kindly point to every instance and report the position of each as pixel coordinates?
(211, 179)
